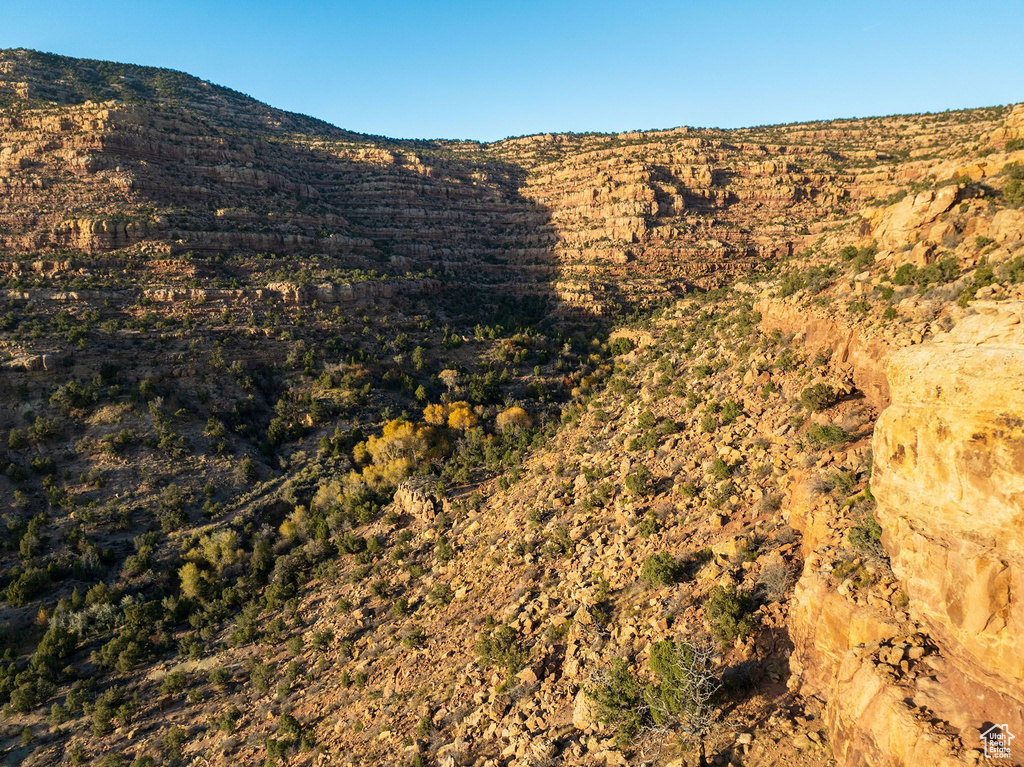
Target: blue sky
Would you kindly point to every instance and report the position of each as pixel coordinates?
(486, 70)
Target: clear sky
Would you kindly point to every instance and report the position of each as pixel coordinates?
(486, 70)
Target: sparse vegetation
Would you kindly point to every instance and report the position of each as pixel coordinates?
(232, 479)
(818, 397)
(729, 614)
(661, 570)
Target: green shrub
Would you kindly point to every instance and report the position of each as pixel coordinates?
(414, 637)
(444, 550)
(247, 472)
(646, 441)
(322, 639)
(731, 410)
(649, 525)
(27, 585)
(859, 258)
(561, 543)
(905, 275)
(16, 439)
(289, 726)
(174, 683)
(228, 719)
(621, 345)
(866, 536)
(639, 481)
(859, 306)
(793, 282)
(260, 675)
(400, 607)
(843, 482)
(220, 676)
(1013, 270)
(682, 695)
(24, 697)
(1013, 191)
(828, 435)
(661, 569)
(602, 611)
(709, 423)
(501, 647)
(685, 680)
(818, 397)
(442, 594)
(729, 614)
(621, 701)
(857, 574)
(939, 272)
(104, 710)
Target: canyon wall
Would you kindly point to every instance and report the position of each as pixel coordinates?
(157, 163)
(949, 478)
(916, 668)
(199, 196)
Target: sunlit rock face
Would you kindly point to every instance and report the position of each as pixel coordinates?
(949, 478)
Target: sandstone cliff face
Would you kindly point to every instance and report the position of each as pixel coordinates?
(914, 674)
(859, 355)
(949, 476)
(593, 221)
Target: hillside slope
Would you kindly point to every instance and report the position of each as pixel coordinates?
(325, 448)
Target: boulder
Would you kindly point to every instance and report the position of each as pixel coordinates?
(586, 711)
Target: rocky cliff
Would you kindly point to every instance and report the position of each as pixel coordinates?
(949, 455)
(916, 674)
(98, 158)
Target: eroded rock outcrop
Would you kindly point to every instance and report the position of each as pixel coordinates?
(914, 669)
(857, 352)
(593, 221)
(949, 478)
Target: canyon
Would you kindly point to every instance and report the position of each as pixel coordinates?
(755, 384)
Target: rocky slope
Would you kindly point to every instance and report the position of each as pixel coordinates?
(318, 449)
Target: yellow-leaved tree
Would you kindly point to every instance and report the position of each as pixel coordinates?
(221, 549)
(461, 416)
(514, 419)
(449, 378)
(192, 580)
(435, 415)
(401, 450)
(296, 525)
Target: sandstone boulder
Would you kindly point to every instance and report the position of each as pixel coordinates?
(585, 711)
